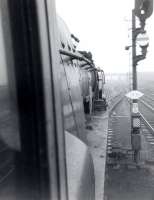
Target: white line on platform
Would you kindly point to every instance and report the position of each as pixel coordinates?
(152, 143)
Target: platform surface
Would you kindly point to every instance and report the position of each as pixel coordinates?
(97, 141)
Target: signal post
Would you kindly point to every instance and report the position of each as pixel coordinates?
(143, 9)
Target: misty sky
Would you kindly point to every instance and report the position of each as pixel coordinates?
(102, 27)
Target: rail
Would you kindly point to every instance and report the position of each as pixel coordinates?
(149, 97)
(118, 98)
(150, 128)
(147, 105)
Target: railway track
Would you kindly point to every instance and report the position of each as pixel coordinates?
(125, 179)
(114, 147)
(118, 144)
(148, 133)
(148, 99)
(146, 105)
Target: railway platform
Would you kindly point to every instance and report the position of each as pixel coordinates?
(97, 127)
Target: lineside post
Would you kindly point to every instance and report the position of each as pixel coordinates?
(143, 10)
(135, 118)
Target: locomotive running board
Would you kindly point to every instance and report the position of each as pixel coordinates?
(80, 169)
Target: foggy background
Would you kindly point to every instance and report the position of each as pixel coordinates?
(104, 28)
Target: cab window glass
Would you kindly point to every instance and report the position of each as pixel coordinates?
(9, 129)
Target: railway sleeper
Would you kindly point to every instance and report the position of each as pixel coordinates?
(119, 156)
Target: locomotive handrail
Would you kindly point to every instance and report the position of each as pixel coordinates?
(81, 58)
(75, 56)
(92, 69)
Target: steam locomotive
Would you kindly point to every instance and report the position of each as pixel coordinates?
(47, 88)
(82, 83)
